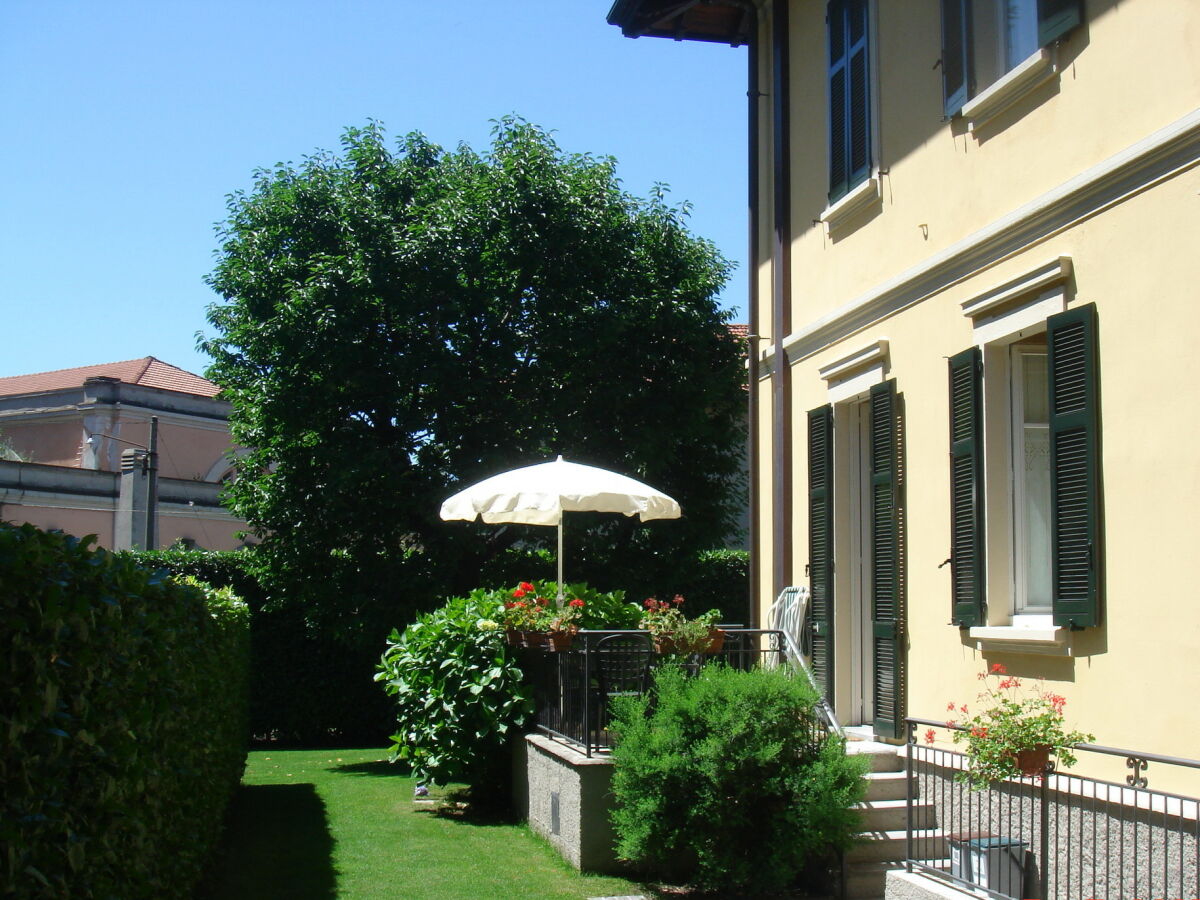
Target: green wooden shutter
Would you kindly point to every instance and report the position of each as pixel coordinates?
(820, 545)
(1056, 18)
(886, 577)
(956, 55)
(1074, 467)
(967, 534)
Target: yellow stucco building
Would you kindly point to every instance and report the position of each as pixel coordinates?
(975, 265)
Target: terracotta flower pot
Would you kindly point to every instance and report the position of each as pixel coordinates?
(559, 641)
(716, 641)
(664, 643)
(1033, 761)
(533, 640)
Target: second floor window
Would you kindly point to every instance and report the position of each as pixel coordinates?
(849, 96)
(982, 40)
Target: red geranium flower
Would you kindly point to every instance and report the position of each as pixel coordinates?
(576, 602)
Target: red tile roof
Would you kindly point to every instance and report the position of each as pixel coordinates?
(739, 330)
(147, 371)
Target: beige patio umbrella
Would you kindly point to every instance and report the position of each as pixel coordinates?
(540, 494)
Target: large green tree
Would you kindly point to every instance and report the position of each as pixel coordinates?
(400, 323)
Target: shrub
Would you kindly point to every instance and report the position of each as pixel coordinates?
(122, 735)
(458, 691)
(721, 779)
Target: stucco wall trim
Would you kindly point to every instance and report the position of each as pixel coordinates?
(858, 200)
(1053, 273)
(855, 373)
(1026, 77)
(1051, 641)
(856, 359)
(1157, 157)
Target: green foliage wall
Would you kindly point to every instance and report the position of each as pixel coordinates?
(123, 725)
(721, 780)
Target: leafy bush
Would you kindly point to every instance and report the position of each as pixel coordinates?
(722, 779)
(458, 691)
(123, 728)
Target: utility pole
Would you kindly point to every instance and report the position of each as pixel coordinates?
(152, 487)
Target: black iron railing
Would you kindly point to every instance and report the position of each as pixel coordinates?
(573, 688)
(1053, 835)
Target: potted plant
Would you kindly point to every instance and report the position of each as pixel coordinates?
(1015, 732)
(533, 618)
(673, 632)
(564, 623)
(526, 616)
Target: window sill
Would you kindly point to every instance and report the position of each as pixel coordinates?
(1022, 80)
(1045, 640)
(858, 200)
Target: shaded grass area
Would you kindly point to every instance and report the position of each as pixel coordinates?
(320, 824)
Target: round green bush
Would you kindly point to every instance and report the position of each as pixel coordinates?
(458, 691)
(722, 780)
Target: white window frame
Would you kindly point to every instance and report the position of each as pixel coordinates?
(1022, 607)
(1011, 312)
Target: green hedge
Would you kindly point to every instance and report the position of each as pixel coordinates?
(308, 687)
(123, 725)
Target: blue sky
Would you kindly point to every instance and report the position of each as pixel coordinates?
(125, 125)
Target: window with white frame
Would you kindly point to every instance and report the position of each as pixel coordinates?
(1024, 447)
(1029, 464)
(985, 40)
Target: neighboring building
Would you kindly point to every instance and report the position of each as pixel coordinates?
(77, 460)
(975, 420)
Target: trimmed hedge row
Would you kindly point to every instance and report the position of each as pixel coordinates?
(123, 721)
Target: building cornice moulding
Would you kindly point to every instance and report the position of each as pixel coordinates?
(1149, 161)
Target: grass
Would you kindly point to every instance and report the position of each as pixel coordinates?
(320, 824)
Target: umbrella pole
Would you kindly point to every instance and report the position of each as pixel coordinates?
(560, 582)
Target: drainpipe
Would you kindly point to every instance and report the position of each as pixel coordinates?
(781, 297)
(752, 414)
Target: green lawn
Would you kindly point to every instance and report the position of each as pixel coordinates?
(318, 824)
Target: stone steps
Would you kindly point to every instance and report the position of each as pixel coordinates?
(882, 844)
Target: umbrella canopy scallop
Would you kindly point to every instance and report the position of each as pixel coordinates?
(539, 494)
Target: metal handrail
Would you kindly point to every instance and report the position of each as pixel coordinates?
(1094, 748)
(780, 612)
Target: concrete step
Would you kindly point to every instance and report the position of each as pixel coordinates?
(885, 785)
(867, 880)
(882, 756)
(891, 844)
(892, 815)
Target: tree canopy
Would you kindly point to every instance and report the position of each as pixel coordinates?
(397, 324)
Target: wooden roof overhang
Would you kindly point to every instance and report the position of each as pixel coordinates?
(716, 21)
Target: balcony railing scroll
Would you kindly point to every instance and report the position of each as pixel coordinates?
(1052, 836)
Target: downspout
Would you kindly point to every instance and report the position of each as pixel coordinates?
(752, 361)
(781, 296)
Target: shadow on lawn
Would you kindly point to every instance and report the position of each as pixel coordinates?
(276, 845)
(376, 769)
